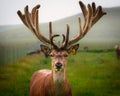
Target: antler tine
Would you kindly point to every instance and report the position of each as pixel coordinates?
(28, 21)
(22, 17)
(51, 36)
(34, 15)
(88, 20)
(99, 13)
(31, 21)
(65, 38)
(53, 44)
(91, 16)
(67, 35)
(94, 8)
(50, 29)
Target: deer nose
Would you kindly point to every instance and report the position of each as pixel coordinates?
(58, 65)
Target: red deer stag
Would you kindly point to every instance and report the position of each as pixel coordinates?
(54, 82)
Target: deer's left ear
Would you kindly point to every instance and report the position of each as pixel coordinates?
(45, 49)
(73, 49)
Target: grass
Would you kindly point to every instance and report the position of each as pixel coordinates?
(89, 73)
(96, 75)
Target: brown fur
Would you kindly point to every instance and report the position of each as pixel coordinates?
(42, 85)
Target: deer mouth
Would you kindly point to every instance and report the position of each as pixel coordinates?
(58, 67)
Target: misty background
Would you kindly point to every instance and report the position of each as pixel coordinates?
(16, 40)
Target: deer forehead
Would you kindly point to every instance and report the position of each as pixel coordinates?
(59, 52)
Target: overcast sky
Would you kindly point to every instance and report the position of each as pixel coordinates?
(50, 9)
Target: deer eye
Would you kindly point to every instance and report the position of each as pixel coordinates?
(65, 55)
(52, 55)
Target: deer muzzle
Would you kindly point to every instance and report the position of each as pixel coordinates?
(58, 66)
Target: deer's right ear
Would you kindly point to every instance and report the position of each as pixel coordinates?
(73, 49)
(45, 49)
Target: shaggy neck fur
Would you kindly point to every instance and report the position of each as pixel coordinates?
(59, 81)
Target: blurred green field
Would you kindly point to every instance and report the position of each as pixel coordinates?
(90, 74)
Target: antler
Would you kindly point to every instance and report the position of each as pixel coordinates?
(31, 21)
(91, 16)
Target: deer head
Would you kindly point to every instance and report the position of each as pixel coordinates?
(58, 52)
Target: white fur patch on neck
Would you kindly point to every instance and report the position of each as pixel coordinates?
(58, 77)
